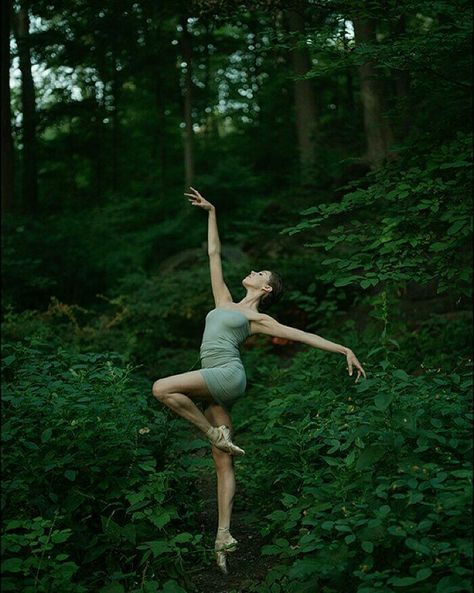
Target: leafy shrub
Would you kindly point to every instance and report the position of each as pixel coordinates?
(409, 221)
(368, 485)
(33, 555)
(94, 490)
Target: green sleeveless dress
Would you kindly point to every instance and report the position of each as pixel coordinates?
(222, 367)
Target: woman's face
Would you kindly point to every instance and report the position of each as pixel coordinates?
(257, 279)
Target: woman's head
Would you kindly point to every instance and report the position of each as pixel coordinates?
(269, 283)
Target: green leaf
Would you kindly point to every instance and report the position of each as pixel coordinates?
(462, 473)
(350, 458)
(288, 500)
(115, 587)
(383, 511)
(183, 537)
(160, 518)
(383, 400)
(453, 584)
(46, 435)
(330, 460)
(60, 537)
(439, 246)
(368, 547)
(70, 474)
(172, 586)
(402, 581)
(400, 374)
(396, 530)
(12, 565)
(455, 227)
(417, 546)
(159, 547)
(344, 281)
(369, 456)
(423, 574)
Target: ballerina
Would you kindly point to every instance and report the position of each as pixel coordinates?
(222, 381)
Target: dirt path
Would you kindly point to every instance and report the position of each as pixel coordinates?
(246, 566)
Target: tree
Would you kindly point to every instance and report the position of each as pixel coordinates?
(186, 45)
(377, 128)
(305, 101)
(7, 143)
(30, 167)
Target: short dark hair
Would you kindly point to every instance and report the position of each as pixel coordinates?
(274, 296)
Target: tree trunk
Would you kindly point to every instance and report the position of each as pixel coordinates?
(186, 46)
(115, 129)
(156, 40)
(116, 85)
(209, 118)
(377, 128)
(7, 143)
(305, 102)
(30, 167)
(159, 145)
(402, 82)
(349, 76)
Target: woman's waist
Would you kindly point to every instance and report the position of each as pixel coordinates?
(218, 346)
(213, 354)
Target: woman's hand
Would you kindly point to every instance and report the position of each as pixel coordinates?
(352, 361)
(197, 200)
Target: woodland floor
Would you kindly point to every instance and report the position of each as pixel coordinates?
(246, 566)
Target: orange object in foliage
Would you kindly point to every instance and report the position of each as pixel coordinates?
(280, 341)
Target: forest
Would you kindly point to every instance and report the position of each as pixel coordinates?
(335, 141)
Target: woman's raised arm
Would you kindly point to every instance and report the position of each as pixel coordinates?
(220, 290)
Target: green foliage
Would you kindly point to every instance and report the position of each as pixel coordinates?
(411, 223)
(360, 488)
(88, 469)
(368, 486)
(33, 556)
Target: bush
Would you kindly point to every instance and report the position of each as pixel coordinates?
(94, 492)
(368, 485)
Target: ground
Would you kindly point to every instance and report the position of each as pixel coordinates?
(246, 565)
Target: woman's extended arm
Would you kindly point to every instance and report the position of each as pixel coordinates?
(267, 325)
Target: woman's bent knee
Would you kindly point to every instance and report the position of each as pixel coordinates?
(158, 390)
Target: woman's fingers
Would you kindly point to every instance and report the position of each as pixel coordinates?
(195, 190)
(360, 372)
(352, 360)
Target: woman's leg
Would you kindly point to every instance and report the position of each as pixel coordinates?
(224, 463)
(178, 391)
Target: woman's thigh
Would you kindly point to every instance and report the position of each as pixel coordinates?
(191, 383)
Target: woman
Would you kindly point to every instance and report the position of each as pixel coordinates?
(221, 380)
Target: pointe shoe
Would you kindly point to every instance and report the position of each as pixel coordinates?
(219, 436)
(225, 544)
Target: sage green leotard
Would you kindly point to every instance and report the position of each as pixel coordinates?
(222, 367)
